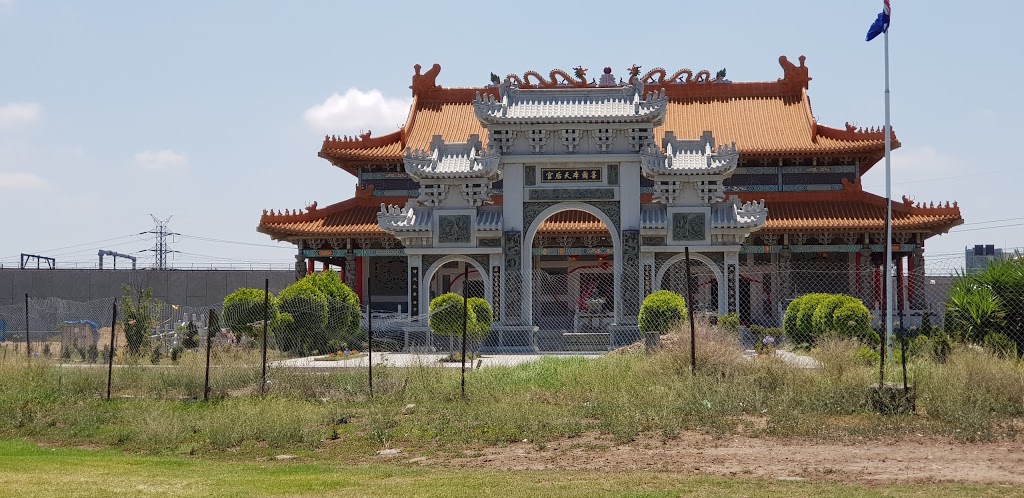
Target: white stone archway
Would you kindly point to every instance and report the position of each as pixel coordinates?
(429, 275)
(527, 254)
(723, 288)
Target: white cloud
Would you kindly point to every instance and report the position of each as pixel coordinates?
(19, 113)
(358, 111)
(22, 181)
(161, 160)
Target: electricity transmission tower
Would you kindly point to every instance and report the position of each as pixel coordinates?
(161, 248)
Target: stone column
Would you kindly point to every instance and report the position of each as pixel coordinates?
(415, 271)
(647, 263)
(300, 266)
(495, 265)
(630, 278)
(731, 268)
(350, 271)
(512, 288)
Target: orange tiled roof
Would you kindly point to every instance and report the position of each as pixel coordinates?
(355, 217)
(850, 209)
(572, 223)
(763, 118)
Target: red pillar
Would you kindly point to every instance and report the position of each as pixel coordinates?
(310, 268)
(359, 278)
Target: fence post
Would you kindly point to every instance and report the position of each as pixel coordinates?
(465, 324)
(110, 357)
(211, 329)
(28, 339)
(266, 317)
(689, 312)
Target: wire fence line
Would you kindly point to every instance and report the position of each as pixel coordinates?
(303, 345)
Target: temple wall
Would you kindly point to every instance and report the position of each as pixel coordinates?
(182, 287)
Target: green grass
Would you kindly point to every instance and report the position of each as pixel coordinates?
(32, 471)
(973, 396)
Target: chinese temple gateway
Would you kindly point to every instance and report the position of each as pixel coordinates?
(568, 199)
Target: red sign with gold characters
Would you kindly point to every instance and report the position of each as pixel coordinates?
(570, 175)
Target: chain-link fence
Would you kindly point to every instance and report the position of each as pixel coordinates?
(324, 345)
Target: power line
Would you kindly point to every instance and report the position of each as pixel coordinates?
(78, 245)
(222, 241)
(992, 221)
(988, 228)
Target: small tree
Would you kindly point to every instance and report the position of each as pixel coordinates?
(139, 311)
(661, 311)
(244, 313)
(191, 340)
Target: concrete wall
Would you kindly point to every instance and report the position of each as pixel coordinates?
(182, 287)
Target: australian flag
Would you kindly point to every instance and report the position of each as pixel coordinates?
(881, 25)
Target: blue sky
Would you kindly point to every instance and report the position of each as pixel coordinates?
(211, 112)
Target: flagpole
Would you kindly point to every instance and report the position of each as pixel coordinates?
(888, 211)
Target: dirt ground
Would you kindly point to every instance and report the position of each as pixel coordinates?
(908, 461)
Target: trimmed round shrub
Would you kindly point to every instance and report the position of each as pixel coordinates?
(447, 315)
(661, 312)
(804, 330)
(343, 310)
(822, 319)
(244, 314)
(852, 320)
(483, 317)
(789, 318)
(307, 307)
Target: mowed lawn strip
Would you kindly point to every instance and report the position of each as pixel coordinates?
(27, 470)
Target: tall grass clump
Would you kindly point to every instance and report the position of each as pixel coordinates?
(975, 394)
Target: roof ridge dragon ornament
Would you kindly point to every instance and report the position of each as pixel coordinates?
(580, 79)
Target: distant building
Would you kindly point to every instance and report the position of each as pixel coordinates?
(551, 192)
(980, 255)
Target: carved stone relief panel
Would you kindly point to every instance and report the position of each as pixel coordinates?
(688, 226)
(454, 228)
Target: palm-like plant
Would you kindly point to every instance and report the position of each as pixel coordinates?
(973, 310)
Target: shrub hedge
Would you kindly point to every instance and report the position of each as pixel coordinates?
(815, 315)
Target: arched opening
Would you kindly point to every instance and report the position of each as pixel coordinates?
(448, 274)
(574, 275)
(706, 283)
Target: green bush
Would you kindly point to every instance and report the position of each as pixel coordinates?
(1001, 345)
(729, 321)
(790, 317)
(307, 308)
(812, 316)
(244, 313)
(484, 317)
(805, 320)
(852, 320)
(661, 312)
(343, 309)
(446, 314)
